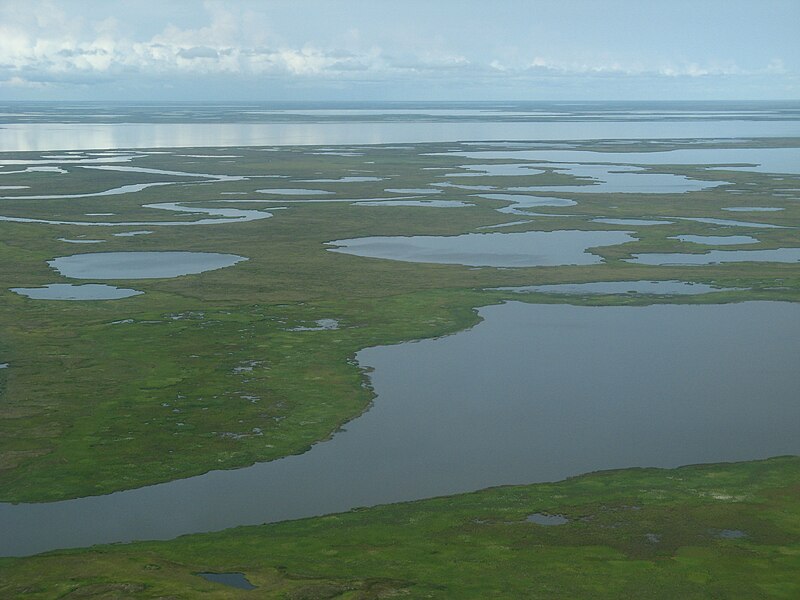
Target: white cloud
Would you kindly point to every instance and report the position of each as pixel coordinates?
(776, 66)
(18, 82)
(34, 47)
(40, 43)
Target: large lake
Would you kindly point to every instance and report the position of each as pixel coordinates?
(533, 393)
(19, 137)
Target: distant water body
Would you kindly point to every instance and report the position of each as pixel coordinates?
(84, 126)
(54, 136)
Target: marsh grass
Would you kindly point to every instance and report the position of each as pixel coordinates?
(92, 405)
(635, 533)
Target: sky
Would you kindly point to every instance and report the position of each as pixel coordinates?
(350, 50)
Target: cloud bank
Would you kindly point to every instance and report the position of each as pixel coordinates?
(48, 45)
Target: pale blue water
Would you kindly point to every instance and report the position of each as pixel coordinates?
(621, 179)
(66, 291)
(717, 240)
(523, 201)
(224, 217)
(630, 222)
(712, 257)
(294, 192)
(666, 288)
(547, 520)
(310, 111)
(428, 203)
(752, 209)
(526, 249)
(764, 160)
(140, 265)
(21, 137)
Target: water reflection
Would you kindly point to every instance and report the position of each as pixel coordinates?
(24, 137)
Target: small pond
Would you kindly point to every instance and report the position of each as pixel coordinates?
(547, 520)
(731, 534)
(346, 179)
(625, 222)
(509, 224)
(526, 249)
(131, 233)
(752, 209)
(123, 189)
(68, 291)
(522, 201)
(731, 222)
(496, 170)
(68, 241)
(620, 179)
(140, 265)
(413, 190)
(717, 240)
(483, 188)
(660, 288)
(712, 257)
(237, 580)
(294, 192)
(428, 203)
(224, 216)
(320, 325)
(229, 215)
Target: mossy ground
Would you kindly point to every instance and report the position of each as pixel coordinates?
(86, 397)
(203, 372)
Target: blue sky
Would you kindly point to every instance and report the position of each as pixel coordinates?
(399, 50)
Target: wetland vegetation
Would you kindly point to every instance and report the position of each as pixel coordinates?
(638, 533)
(253, 358)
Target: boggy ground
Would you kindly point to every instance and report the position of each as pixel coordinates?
(203, 372)
(707, 531)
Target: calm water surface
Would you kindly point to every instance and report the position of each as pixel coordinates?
(669, 288)
(67, 291)
(525, 249)
(764, 160)
(140, 265)
(630, 222)
(23, 137)
(428, 203)
(778, 255)
(752, 209)
(533, 393)
(613, 179)
(717, 240)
